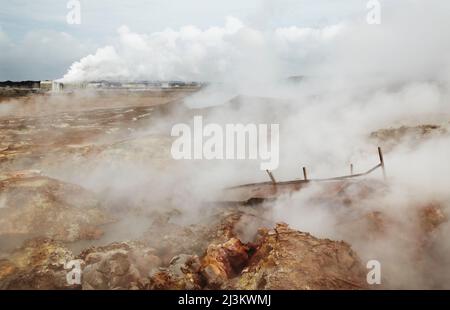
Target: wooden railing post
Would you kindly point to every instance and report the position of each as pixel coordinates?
(271, 177)
(305, 175)
(380, 154)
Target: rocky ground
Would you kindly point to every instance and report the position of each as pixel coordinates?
(49, 219)
(281, 258)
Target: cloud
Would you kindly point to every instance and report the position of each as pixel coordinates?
(191, 53)
(406, 46)
(100, 19)
(169, 54)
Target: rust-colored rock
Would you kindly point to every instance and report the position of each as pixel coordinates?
(182, 273)
(170, 239)
(224, 261)
(431, 216)
(289, 259)
(38, 264)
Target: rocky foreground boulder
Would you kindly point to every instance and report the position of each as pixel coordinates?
(31, 204)
(124, 265)
(289, 259)
(281, 258)
(38, 264)
(231, 248)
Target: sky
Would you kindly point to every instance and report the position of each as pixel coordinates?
(36, 42)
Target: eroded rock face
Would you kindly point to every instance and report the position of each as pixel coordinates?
(38, 264)
(170, 239)
(224, 261)
(183, 273)
(281, 258)
(124, 265)
(44, 264)
(289, 259)
(41, 206)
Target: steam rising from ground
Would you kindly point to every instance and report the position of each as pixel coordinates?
(233, 51)
(410, 44)
(360, 78)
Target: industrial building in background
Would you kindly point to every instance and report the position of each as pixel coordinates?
(55, 86)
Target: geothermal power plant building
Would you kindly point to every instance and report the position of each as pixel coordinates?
(55, 86)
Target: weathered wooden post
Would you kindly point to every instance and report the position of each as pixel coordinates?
(305, 175)
(380, 154)
(271, 177)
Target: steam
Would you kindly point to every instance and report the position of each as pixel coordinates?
(193, 54)
(359, 78)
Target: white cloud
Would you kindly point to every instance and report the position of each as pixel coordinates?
(406, 47)
(296, 34)
(194, 54)
(101, 18)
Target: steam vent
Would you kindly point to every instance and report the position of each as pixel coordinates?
(231, 154)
